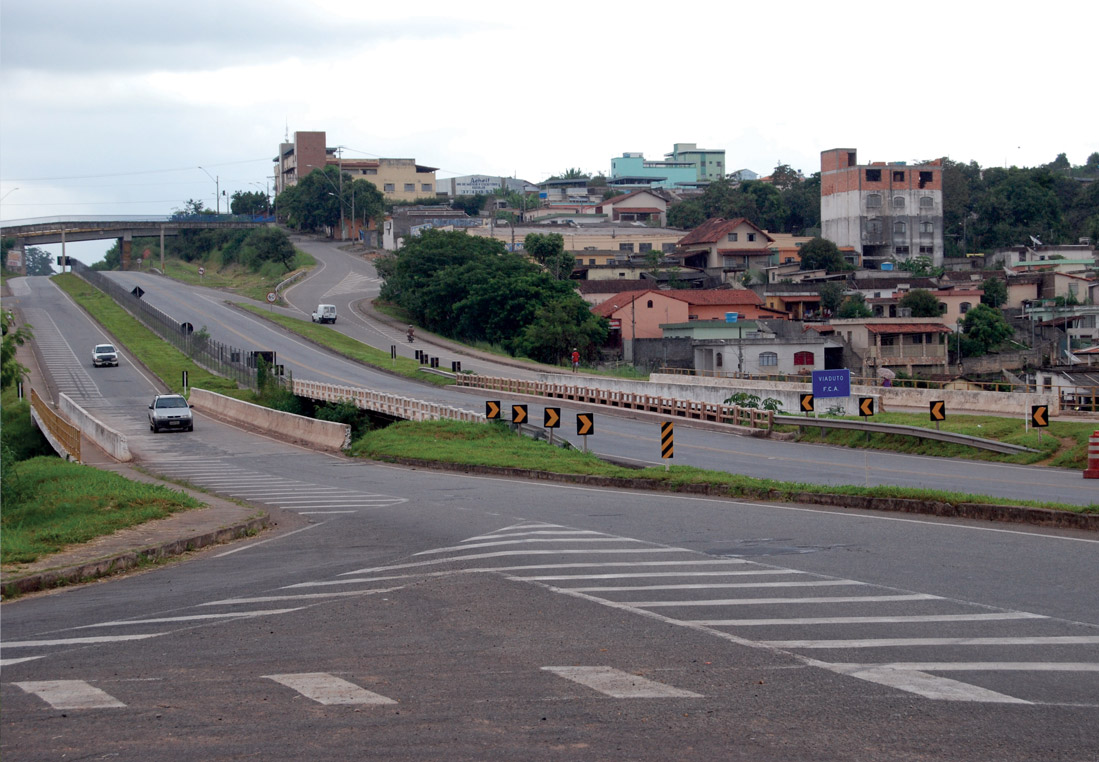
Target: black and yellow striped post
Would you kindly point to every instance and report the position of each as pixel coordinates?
(667, 441)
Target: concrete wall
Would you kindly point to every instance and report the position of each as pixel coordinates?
(111, 441)
(323, 434)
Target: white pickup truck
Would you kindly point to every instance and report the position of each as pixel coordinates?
(325, 313)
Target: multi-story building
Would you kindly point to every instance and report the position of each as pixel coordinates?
(709, 163)
(397, 179)
(632, 170)
(473, 185)
(884, 211)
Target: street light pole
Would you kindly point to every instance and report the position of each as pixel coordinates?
(217, 191)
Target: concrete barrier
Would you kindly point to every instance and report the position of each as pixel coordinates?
(326, 435)
(112, 442)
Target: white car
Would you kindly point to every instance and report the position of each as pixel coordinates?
(170, 411)
(104, 354)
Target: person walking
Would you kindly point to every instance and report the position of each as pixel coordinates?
(575, 360)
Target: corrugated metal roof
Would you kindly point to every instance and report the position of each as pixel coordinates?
(907, 328)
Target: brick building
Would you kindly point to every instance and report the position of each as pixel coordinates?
(885, 211)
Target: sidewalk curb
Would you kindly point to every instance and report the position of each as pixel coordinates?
(1015, 514)
(119, 562)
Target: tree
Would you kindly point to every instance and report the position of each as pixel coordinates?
(854, 306)
(252, 203)
(686, 215)
(38, 261)
(471, 205)
(985, 329)
(272, 245)
(921, 266)
(831, 296)
(922, 303)
(822, 254)
(995, 293)
(10, 369)
(784, 177)
(548, 249)
(191, 208)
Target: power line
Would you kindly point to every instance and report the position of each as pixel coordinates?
(127, 174)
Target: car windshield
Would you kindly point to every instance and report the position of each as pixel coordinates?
(172, 402)
(99, 348)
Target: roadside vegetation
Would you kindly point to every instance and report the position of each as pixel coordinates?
(495, 445)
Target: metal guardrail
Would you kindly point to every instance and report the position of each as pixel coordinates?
(667, 406)
(66, 435)
(393, 405)
(902, 430)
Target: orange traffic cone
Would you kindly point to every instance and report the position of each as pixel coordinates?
(1092, 471)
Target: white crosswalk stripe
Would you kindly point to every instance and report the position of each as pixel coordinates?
(353, 284)
(329, 689)
(618, 684)
(71, 694)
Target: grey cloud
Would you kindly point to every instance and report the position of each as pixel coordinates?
(142, 35)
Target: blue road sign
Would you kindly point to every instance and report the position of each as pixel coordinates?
(731, 317)
(832, 383)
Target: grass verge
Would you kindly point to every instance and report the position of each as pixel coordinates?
(1063, 444)
(494, 445)
(50, 503)
(235, 278)
(350, 348)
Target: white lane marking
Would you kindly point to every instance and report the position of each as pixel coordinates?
(269, 539)
(71, 694)
(329, 689)
(868, 619)
(783, 601)
(78, 641)
(556, 532)
(7, 662)
(505, 553)
(322, 513)
(1058, 640)
(722, 585)
(981, 666)
(603, 538)
(188, 618)
(618, 684)
(929, 686)
(648, 575)
(302, 597)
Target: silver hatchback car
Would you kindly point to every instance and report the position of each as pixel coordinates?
(170, 411)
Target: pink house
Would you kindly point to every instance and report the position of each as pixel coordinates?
(641, 313)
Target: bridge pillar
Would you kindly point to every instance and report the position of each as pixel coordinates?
(126, 246)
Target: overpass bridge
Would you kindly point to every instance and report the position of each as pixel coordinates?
(39, 231)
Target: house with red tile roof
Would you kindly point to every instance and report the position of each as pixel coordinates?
(908, 344)
(641, 313)
(639, 206)
(726, 248)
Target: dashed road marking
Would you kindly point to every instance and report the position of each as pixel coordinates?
(618, 684)
(71, 694)
(329, 689)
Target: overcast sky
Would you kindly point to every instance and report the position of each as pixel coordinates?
(111, 107)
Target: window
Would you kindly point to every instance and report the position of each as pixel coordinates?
(390, 187)
(898, 202)
(625, 247)
(873, 201)
(926, 202)
(927, 250)
(898, 176)
(803, 358)
(410, 187)
(667, 248)
(591, 261)
(873, 227)
(927, 228)
(768, 358)
(370, 171)
(925, 178)
(643, 247)
(732, 237)
(899, 228)
(720, 359)
(425, 187)
(964, 308)
(900, 250)
(751, 236)
(873, 175)
(888, 341)
(650, 304)
(916, 338)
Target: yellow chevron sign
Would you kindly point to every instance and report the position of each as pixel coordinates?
(518, 413)
(1039, 415)
(807, 403)
(552, 418)
(866, 405)
(492, 410)
(938, 410)
(667, 440)
(585, 424)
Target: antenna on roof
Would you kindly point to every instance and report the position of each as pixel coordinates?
(1035, 241)
(286, 135)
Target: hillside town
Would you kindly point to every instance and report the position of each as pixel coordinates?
(894, 292)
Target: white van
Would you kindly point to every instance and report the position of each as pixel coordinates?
(325, 313)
